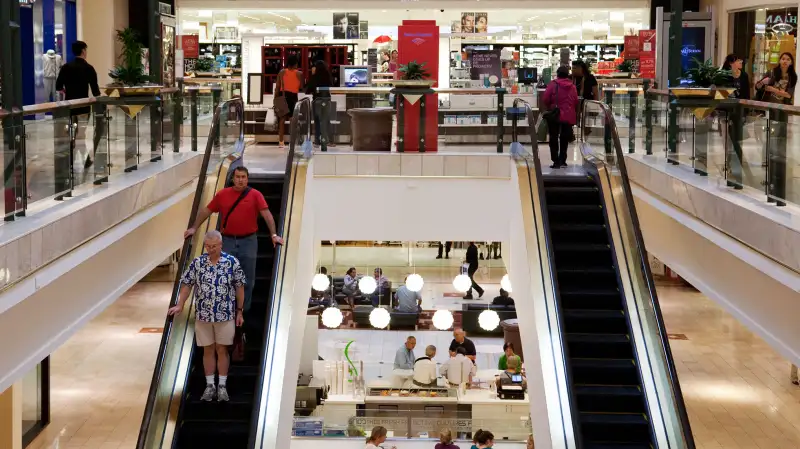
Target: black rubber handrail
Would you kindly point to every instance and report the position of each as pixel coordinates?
(186, 250)
(533, 123)
(677, 394)
(286, 203)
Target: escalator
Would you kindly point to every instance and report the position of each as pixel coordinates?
(227, 424)
(613, 372)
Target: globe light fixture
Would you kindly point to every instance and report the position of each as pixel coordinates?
(443, 320)
(367, 285)
(488, 320)
(462, 283)
(414, 282)
(320, 282)
(332, 317)
(505, 283)
(379, 318)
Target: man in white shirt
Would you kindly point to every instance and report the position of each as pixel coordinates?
(459, 369)
(425, 369)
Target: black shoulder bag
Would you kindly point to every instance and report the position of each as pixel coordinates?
(554, 114)
(236, 203)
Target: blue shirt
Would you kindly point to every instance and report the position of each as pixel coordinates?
(407, 300)
(214, 286)
(404, 359)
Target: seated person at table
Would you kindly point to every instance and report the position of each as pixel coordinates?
(404, 358)
(459, 369)
(408, 301)
(321, 298)
(508, 351)
(350, 287)
(460, 340)
(382, 290)
(514, 368)
(503, 299)
(425, 369)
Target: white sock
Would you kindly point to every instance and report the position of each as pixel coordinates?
(210, 380)
(223, 381)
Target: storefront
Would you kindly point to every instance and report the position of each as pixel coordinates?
(762, 35)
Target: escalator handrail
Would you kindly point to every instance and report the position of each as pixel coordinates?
(186, 250)
(534, 121)
(645, 265)
(281, 225)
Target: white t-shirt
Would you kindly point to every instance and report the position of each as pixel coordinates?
(425, 371)
(458, 369)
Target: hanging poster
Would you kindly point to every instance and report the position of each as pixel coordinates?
(467, 22)
(363, 29)
(345, 25)
(471, 22)
(631, 47)
(647, 54)
(485, 65)
(481, 22)
(190, 44)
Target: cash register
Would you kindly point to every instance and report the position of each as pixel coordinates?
(512, 386)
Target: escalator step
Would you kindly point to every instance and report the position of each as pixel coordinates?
(598, 277)
(617, 445)
(238, 408)
(615, 427)
(590, 371)
(213, 433)
(610, 399)
(595, 321)
(601, 346)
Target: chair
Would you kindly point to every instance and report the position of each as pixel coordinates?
(403, 320)
(471, 312)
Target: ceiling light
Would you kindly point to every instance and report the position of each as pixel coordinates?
(320, 282)
(379, 317)
(443, 320)
(367, 285)
(332, 317)
(488, 320)
(414, 282)
(505, 283)
(462, 283)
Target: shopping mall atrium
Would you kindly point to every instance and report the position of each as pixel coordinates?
(406, 224)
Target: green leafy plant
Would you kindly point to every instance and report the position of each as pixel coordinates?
(204, 65)
(626, 66)
(706, 74)
(414, 71)
(130, 71)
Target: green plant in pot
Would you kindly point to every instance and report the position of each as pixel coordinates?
(204, 65)
(707, 75)
(625, 66)
(130, 72)
(414, 71)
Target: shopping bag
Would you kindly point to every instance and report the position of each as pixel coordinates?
(239, 340)
(270, 122)
(465, 268)
(541, 131)
(280, 106)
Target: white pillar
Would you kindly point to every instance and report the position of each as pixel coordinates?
(98, 22)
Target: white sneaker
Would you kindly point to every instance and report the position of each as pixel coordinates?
(222, 394)
(208, 394)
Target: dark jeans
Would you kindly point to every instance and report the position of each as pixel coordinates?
(776, 156)
(560, 135)
(246, 251)
(447, 246)
(471, 272)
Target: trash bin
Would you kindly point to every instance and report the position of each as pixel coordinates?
(511, 335)
(371, 129)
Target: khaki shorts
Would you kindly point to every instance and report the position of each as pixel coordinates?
(220, 333)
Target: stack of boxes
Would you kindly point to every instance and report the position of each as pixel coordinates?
(307, 426)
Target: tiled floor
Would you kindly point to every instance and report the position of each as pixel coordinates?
(736, 388)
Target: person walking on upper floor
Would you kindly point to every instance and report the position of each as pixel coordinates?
(76, 79)
(561, 94)
(239, 208)
(321, 77)
(289, 85)
(218, 282)
(446, 247)
(472, 260)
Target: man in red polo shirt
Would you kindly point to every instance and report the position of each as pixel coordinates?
(239, 227)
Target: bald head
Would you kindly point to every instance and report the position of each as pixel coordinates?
(459, 335)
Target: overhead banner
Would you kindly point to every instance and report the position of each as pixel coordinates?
(647, 54)
(190, 44)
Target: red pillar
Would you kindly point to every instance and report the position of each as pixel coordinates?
(419, 41)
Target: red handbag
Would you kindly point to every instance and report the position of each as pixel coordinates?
(239, 341)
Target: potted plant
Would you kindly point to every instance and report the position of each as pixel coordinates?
(625, 67)
(129, 75)
(705, 80)
(414, 74)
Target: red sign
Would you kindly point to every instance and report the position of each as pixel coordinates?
(418, 40)
(191, 46)
(647, 53)
(631, 47)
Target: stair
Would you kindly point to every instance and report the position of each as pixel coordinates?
(604, 374)
(213, 424)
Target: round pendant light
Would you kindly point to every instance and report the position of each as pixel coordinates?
(488, 320)
(443, 320)
(505, 283)
(367, 285)
(332, 317)
(414, 282)
(462, 283)
(320, 282)
(379, 318)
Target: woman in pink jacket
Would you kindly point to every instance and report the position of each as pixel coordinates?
(561, 92)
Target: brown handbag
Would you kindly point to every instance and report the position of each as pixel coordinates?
(279, 104)
(239, 341)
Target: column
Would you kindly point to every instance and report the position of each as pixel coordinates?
(98, 22)
(11, 417)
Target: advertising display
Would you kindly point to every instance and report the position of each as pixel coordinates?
(693, 47)
(485, 65)
(471, 22)
(647, 54)
(419, 41)
(190, 44)
(345, 25)
(631, 47)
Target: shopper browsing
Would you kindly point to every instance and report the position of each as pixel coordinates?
(321, 77)
(561, 101)
(289, 84)
(218, 283)
(485, 440)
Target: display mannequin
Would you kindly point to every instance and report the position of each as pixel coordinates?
(51, 64)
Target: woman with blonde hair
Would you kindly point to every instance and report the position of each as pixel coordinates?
(445, 440)
(376, 438)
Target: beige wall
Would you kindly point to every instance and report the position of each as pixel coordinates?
(11, 417)
(98, 21)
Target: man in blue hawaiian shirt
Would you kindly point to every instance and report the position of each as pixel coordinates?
(218, 281)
